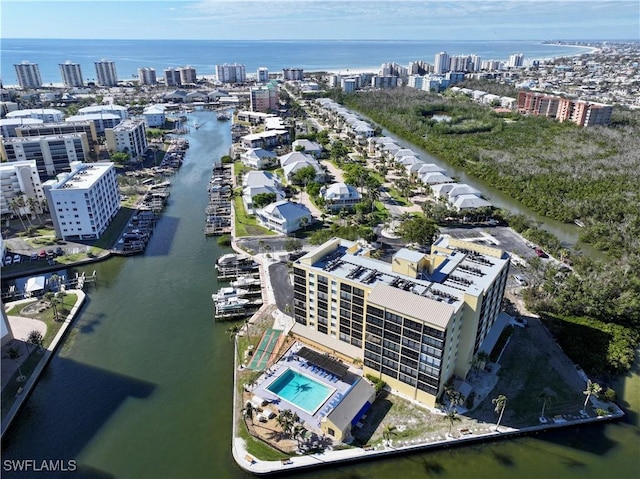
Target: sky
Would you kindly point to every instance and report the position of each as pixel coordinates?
(322, 20)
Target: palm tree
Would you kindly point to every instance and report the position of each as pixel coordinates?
(249, 411)
(592, 389)
(387, 431)
(452, 416)
(233, 333)
(501, 404)
(546, 398)
(298, 432)
(50, 297)
(286, 421)
(303, 222)
(15, 207)
(33, 205)
(15, 354)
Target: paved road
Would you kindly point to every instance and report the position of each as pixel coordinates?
(282, 287)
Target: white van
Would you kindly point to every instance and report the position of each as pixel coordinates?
(520, 280)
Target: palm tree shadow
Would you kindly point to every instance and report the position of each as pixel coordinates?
(503, 459)
(432, 467)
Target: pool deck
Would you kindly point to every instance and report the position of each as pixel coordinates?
(287, 361)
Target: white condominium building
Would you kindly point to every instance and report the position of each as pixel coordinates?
(147, 76)
(44, 114)
(106, 73)
(28, 75)
(187, 75)
(235, 73)
(263, 75)
(53, 154)
(83, 202)
(415, 322)
(71, 74)
(441, 63)
(20, 177)
(129, 136)
(172, 77)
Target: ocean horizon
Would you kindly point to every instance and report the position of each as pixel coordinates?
(203, 55)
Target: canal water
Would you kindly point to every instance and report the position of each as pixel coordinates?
(142, 387)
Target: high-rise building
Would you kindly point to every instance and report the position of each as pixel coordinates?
(106, 73)
(580, 112)
(172, 77)
(264, 98)
(20, 177)
(147, 76)
(476, 63)
(516, 60)
(441, 63)
(416, 322)
(129, 136)
(187, 75)
(234, 73)
(53, 154)
(84, 201)
(292, 74)
(71, 74)
(263, 75)
(28, 75)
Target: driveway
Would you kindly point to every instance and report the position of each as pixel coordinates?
(282, 287)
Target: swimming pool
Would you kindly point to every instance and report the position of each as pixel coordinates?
(301, 390)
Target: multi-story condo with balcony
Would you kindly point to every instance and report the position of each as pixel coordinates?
(28, 75)
(580, 112)
(44, 114)
(262, 75)
(147, 76)
(83, 202)
(415, 322)
(20, 178)
(129, 136)
(106, 73)
(60, 128)
(71, 74)
(292, 74)
(264, 98)
(172, 77)
(441, 63)
(53, 154)
(234, 73)
(187, 75)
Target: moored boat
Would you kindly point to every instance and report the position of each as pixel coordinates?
(244, 281)
(228, 292)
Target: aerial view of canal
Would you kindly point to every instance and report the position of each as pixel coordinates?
(142, 387)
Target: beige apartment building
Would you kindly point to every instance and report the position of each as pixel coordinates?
(414, 322)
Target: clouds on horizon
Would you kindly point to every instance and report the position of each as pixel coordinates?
(326, 19)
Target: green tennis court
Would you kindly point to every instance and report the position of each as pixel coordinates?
(264, 350)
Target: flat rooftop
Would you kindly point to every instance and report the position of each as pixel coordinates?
(462, 271)
(84, 177)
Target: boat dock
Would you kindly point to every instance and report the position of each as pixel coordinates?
(218, 210)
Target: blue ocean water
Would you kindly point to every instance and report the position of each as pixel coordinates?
(203, 55)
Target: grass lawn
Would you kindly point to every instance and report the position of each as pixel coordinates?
(247, 225)
(240, 169)
(110, 236)
(9, 392)
(395, 194)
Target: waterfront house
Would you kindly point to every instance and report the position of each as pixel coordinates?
(340, 195)
(291, 169)
(309, 147)
(294, 157)
(265, 139)
(258, 158)
(256, 182)
(284, 216)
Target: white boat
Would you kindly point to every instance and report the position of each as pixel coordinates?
(231, 304)
(226, 293)
(245, 281)
(231, 259)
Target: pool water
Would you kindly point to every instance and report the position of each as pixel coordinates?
(301, 390)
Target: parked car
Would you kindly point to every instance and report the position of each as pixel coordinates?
(34, 256)
(42, 254)
(17, 258)
(59, 251)
(8, 259)
(520, 280)
(541, 253)
(51, 254)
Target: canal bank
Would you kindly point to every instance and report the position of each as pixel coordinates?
(142, 386)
